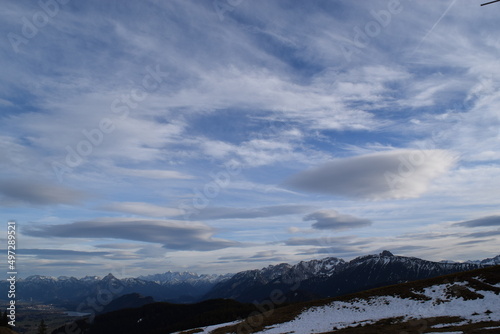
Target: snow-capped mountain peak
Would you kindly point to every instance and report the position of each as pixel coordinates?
(487, 262)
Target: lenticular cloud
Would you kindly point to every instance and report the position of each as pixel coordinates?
(393, 174)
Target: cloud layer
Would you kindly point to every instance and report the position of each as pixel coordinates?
(171, 234)
(34, 192)
(248, 213)
(479, 222)
(332, 220)
(143, 209)
(170, 110)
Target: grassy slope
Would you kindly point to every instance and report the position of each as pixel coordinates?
(5, 330)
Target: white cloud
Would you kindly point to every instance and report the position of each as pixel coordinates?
(142, 209)
(154, 173)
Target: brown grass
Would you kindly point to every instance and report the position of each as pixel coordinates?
(5, 330)
(418, 326)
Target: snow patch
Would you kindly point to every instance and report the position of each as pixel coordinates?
(209, 329)
(465, 322)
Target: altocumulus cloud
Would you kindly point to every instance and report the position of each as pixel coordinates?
(21, 192)
(177, 235)
(383, 175)
(332, 220)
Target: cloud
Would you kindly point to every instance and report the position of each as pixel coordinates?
(176, 235)
(426, 236)
(325, 241)
(264, 254)
(60, 252)
(493, 220)
(332, 251)
(267, 89)
(67, 264)
(154, 173)
(402, 249)
(483, 234)
(393, 174)
(473, 242)
(261, 256)
(143, 209)
(19, 192)
(118, 246)
(243, 213)
(332, 220)
(6, 103)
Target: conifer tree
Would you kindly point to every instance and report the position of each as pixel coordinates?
(42, 328)
(4, 321)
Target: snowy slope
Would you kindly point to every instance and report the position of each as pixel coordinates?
(339, 315)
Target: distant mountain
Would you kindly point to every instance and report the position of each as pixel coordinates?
(189, 286)
(331, 277)
(372, 271)
(71, 291)
(177, 277)
(487, 262)
(256, 284)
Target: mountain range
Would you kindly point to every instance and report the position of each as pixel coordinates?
(70, 291)
(464, 302)
(306, 280)
(331, 277)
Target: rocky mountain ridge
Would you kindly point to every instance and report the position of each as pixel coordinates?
(305, 280)
(332, 277)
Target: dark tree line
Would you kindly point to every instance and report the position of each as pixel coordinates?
(4, 320)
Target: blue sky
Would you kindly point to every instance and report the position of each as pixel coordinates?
(141, 137)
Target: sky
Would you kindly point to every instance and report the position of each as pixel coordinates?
(138, 137)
